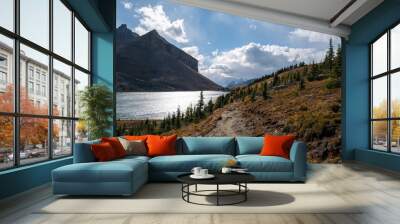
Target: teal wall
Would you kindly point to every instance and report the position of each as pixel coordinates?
(356, 86)
(99, 15)
(24, 178)
(103, 63)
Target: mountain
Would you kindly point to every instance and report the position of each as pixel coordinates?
(125, 36)
(151, 63)
(239, 83)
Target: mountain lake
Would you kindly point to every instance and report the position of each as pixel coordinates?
(157, 105)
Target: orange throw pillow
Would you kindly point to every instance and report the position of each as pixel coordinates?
(135, 137)
(116, 145)
(161, 145)
(277, 145)
(103, 152)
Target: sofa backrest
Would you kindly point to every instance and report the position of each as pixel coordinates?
(206, 145)
(249, 145)
(83, 152)
(190, 146)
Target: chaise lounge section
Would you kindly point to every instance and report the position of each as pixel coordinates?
(125, 176)
(88, 177)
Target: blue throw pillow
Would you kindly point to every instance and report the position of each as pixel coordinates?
(249, 145)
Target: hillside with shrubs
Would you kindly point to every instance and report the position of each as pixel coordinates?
(301, 99)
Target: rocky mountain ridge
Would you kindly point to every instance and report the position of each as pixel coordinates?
(150, 63)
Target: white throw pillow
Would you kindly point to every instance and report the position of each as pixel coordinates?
(135, 147)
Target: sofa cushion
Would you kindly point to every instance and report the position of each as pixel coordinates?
(207, 145)
(103, 152)
(116, 145)
(257, 163)
(134, 157)
(112, 171)
(133, 147)
(185, 163)
(161, 145)
(249, 145)
(277, 145)
(135, 137)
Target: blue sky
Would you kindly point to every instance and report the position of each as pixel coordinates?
(228, 47)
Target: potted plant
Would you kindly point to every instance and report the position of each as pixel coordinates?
(96, 102)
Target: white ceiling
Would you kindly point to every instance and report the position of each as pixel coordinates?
(315, 15)
(322, 9)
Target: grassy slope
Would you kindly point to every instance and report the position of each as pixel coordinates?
(313, 114)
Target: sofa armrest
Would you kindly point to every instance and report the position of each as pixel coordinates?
(298, 155)
(83, 152)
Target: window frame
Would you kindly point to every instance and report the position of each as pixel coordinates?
(16, 114)
(388, 74)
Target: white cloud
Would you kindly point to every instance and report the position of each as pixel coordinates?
(254, 60)
(127, 4)
(154, 17)
(252, 26)
(311, 36)
(215, 52)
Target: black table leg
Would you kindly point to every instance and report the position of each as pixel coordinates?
(188, 190)
(195, 188)
(245, 194)
(217, 194)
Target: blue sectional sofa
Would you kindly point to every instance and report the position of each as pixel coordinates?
(125, 176)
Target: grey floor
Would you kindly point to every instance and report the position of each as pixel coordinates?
(378, 189)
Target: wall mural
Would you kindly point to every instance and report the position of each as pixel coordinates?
(196, 72)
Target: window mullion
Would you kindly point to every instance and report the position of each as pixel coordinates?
(73, 82)
(50, 81)
(16, 69)
(389, 104)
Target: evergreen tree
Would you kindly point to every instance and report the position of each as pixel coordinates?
(200, 106)
(173, 120)
(178, 117)
(301, 84)
(146, 126)
(329, 57)
(219, 102)
(188, 114)
(275, 80)
(337, 67)
(265, 91)
(168, 122)
(313, 73)
(154, 125)
(253, 95)
(201, 101)
(210, 107)
(305, 72)
(297, 76)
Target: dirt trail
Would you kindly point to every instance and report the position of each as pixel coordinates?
(229, 125)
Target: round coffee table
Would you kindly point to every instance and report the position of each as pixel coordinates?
(238, 179)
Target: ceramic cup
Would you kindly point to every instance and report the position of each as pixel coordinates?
(226, 170)
(196, 171)
(203, 172)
